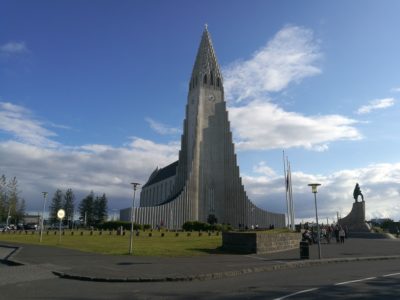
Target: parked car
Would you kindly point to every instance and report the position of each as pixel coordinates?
(4, 227)
(56, 226)
(31, 226)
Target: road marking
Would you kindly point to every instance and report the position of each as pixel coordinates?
(297, 293)
(393, 274)
(339, 283)
(352, 281)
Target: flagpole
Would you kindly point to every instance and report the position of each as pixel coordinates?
(286, 188)
(289, 191)
(291, 196)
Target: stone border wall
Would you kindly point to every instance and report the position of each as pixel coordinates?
(259, 242)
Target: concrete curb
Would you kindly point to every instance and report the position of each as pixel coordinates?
(226, 274)
(7, 259)
(201, 277)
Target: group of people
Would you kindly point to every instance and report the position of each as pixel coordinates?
(327, 232)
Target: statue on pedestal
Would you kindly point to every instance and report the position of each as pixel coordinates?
(357, 192)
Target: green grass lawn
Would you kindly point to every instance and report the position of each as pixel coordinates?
(143, 245)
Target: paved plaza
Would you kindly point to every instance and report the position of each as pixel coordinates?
(120, 268)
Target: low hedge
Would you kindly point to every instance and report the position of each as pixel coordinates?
(200, 226)
(114, 225)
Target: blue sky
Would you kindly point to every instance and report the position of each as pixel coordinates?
(92, 95)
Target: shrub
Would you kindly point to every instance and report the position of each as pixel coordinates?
(220, 227)
(114, 225)
(195, 225)
(146, 226)
(199, 226)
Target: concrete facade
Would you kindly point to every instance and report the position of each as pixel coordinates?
(159, 186)
(207, 178)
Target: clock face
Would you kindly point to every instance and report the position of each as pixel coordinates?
(211, 97)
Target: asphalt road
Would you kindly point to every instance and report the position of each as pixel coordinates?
(356, 280)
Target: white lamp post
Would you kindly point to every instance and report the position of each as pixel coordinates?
(314, 191)
(135, 185)
(44, 207)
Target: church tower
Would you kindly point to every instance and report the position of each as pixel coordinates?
(203, 141)
(206, 179)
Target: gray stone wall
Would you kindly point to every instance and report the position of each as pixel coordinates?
(259, 242)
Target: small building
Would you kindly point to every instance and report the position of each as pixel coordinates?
(31, 219)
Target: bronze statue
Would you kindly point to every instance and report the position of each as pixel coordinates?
(357, 192)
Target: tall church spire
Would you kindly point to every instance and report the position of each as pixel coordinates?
(206, 61)
(207, 179)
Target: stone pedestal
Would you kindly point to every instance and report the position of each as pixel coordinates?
(355, 220)
(259, 242)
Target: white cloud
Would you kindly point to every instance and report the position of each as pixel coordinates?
(395, 90)
(376, 104)
(264, 125)
(262, 168)
(19, 122)
(378, 182)
(162, 128)
(101, 168)
(39, 163)
(289, 57)
(13, 48)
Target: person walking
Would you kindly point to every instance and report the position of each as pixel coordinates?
(342, 234)
(328, 234)
(337, 233)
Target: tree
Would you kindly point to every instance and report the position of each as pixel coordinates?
(55, 205)
(12, 199)
(86, 211)
(100, 209)
(212, 219)
(3, 200)
(20, 211)
(68, 206)
(10, 205)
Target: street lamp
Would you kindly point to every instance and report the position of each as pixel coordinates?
(135, 185)
(314, 191)
(44, 206)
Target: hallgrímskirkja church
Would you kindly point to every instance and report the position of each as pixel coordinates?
(205, 180)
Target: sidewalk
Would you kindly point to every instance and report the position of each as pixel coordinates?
(117, 268)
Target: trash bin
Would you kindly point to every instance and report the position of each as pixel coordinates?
(304, 250)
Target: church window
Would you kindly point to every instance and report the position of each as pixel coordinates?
(218, 82)
(211, 79)
(205, 79)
